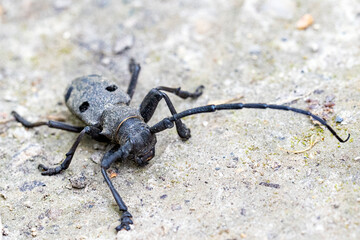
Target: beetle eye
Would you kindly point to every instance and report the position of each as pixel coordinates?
(111, 88)
(84, 106)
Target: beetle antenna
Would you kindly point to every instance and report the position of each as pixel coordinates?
(168, 122)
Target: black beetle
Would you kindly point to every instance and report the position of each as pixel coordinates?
(108, 117)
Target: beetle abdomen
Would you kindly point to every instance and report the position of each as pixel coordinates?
(87, 96)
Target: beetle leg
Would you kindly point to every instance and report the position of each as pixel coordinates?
(114, 154)
(69, 155)
(51, 124)
(134, 69)
(150, 102)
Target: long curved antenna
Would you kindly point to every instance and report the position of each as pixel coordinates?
(168, 122)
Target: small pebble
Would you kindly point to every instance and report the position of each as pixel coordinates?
(314, 47)
(66, 35)
(5, 232)
(27, 204)
(78, 182)
(304, 22)
(2, 194)
(316, 26)
(243, 211)
(105, 60)
(9, 98)
(33, 232)
(339, 119)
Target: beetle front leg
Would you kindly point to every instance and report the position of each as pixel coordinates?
(114, 154)
(125, 219)
(152, 99)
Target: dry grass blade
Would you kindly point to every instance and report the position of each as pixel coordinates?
(312, 144)
(231, 100)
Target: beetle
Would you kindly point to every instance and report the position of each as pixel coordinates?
(107, 116)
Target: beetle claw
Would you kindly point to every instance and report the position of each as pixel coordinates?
(184, 132)
(125, 222)
(46, 171)
(199, 91)
(42, 167)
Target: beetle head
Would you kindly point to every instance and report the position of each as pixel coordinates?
(143, 147)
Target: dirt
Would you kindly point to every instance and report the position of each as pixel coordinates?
(238, 176)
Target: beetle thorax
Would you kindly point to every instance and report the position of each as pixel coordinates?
(113, 120)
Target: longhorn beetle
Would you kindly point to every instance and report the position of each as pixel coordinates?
(108, 117)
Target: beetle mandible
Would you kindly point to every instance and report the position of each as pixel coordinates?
(105, 110)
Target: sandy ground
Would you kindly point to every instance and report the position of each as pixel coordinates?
(237, 177)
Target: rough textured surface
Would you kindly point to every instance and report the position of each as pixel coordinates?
(232, 179)
(87, 97)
